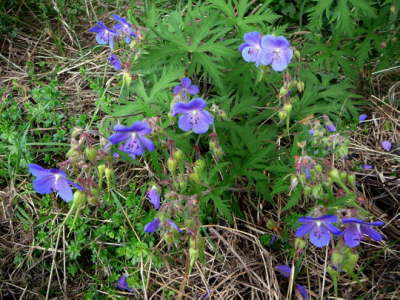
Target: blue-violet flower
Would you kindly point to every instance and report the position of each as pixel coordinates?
(319, 229)
(115, 62)
(251, 50)
(194, 117)
(186, 87)
(362, 118)
(154, 197)
(386, 145)
(276, 51)
(124, 28)
(356, 229)
(122, 284)
(52, 180)
(104, 35)
(134, 137)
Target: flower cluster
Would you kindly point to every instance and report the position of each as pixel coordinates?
(320, 228)
(107, 36)
(267, 50)
(154, 197)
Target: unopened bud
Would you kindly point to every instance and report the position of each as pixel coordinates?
(283, 92)
(178, 155)
(318, 168)
(79, 198)
(393, 9)
(126, 79)
(171, 165)
(101, 168)
(299, 244)
(352, 179)
(195, 177)
(287, 108)
(282, 115)
(334, 175)
(73, 155)
(300, 86)
(109, 173)
(199, 165)
(91, 154)
(297, 54)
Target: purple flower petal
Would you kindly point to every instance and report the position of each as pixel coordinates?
(362, 118)
(201, 122)
(352, 235)
(186, 82)
(276, 51)
(302, 291)
(152, 226)
(332, 228)
(284, 270)
(311, 131)
(115, 62)
(154, 197)
(173, 225)
(304, 229)
(386, 145)
(320, 236)
(193, 89)
(367, 166)
(185, 123)
(372, 233)
(122, 284)
(37, 170)
(330, 127)
(44, 184)
(252, 38)
(63, 189)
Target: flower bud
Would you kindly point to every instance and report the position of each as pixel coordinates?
(283, 92)
(393, 9)
(282, 115)
(91, 154)
(352, 179)
(195, 177)
(343, 176)
(334, 175)
(73, 155)
(297, 54)
(101, 168)
(178, 155)
(126, 79)
(109, 173)
(318, 168)
(299, 244)
(287, 108)
(300, 86)
(199, 165)
(194, 255)
(79, 198)
(171, 165)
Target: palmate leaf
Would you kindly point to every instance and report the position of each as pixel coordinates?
(317, 12)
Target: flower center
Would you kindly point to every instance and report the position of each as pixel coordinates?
(277, 52)
(194, 116)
